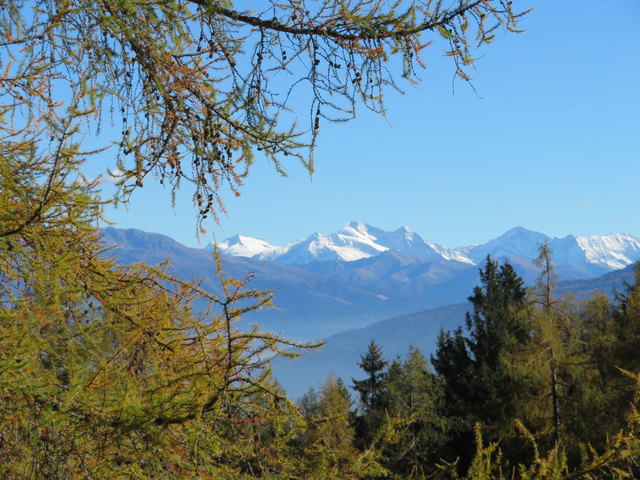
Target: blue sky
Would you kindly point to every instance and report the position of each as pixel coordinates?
(549, 142)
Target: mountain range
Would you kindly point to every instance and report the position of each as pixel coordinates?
(398, 292)
(592, 255)
(308, 305)
(400, 274)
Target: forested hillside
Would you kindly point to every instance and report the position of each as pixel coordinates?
(532, 387)
(341, 350)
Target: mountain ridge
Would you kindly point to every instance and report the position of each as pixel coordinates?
(322, 297)
(594, 254)
(395, 297)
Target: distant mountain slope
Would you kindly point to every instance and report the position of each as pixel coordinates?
(320, 298)
(343, 350)
(392, 272)
(609, 284)
(309, 305)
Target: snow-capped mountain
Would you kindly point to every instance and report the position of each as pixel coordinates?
(592, 255)
(607, 252)
(319, 298)
(517, 242)
(616, 250)
(349, 244)
(243, 246)
(354, 241)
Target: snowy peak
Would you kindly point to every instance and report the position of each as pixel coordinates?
(318, 247)
(517, 242)
(616, 250)
(243, 246)
(373, 241)
(359, 236)
(356, 229)
(356, 241)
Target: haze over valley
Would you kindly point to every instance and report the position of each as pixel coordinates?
(363, 283)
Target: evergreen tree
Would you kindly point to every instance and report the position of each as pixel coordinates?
(499, 324)
(455, 368)
(371, 390)
(478, 385)
(416, 404)
(373, 397)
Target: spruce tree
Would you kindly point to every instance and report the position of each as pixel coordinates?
(371, 389)
(416, 405)
(373, 396)
(499, 323)
(478, 385)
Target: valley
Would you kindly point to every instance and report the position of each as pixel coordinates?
(363, 283)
